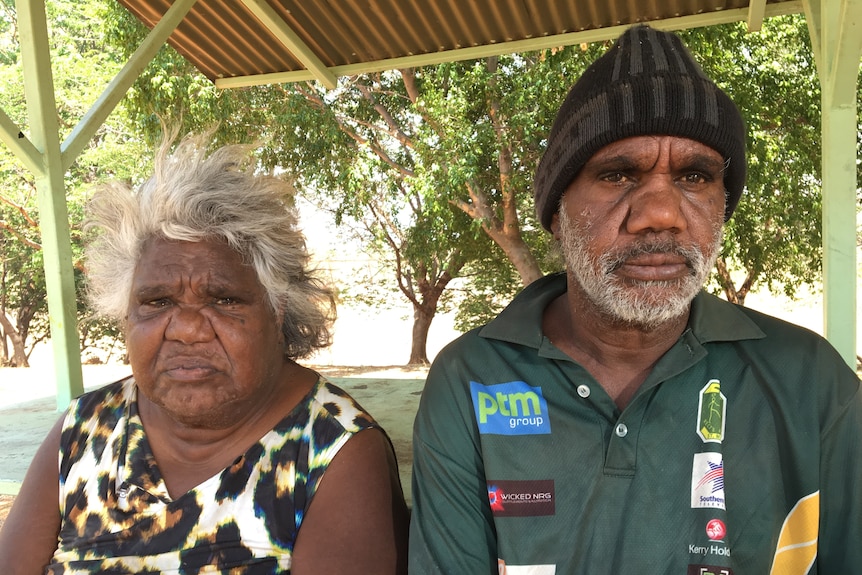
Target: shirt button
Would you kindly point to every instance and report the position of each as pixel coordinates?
(583, 391)
(621, 430)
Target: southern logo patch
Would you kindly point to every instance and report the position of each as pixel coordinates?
(711, 410)
(513, 408)
(521, 498)
(707, 481)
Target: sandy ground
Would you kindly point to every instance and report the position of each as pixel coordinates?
(28, 410)
(364, 358)
(368, 343)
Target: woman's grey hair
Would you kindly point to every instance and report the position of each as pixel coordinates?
(193, 196)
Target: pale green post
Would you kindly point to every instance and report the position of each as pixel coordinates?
(54, 221)
(48, 159)
(837, 44)
(839, 223)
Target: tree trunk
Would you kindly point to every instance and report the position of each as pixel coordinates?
(419, 343)
(731, 292)
(4, 347)
(505, 233)
(520, 255)
(19, 354)
(424, 310)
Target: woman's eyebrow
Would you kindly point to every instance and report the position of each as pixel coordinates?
(148, 290)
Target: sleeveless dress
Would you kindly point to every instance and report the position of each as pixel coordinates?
(117, 516)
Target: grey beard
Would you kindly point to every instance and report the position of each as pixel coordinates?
(644, 305)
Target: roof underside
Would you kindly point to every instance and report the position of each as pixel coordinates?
(243, 42)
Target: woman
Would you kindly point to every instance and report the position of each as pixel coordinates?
(220, 454)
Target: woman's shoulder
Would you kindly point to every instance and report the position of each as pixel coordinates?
(93, 418)
(332, 402)
(102, 404)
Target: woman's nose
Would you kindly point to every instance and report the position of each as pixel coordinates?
(188, 324)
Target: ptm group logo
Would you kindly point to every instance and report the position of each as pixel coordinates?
(513, 408)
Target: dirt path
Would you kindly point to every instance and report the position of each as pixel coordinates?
(329, 371)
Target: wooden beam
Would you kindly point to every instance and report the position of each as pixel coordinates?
(475, 52)
(846, 43)
(12, 136)
(756, 12)
(291, 40)
(50, 188)
(837, 44)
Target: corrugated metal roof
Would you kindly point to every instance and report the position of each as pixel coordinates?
(225, 39)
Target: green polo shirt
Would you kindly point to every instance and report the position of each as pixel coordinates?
(740, 453)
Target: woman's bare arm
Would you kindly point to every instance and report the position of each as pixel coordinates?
(357, 521)
(28, 538)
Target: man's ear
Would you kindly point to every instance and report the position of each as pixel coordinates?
(555, 225)
(279, 318)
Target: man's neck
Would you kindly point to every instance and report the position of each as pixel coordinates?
(619, 356)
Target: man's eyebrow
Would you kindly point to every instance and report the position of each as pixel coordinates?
(611, 162)
(705, 163)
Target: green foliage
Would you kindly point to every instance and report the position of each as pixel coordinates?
(400, 151)
(488, 286)
(434, 166)
(774, 237)
(82, 68)
(23, 287)
(395, 151)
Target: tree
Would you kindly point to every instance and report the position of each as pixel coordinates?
(468, 136)
(774, 237)
(431, 162)
(22, 283)
(82, 68)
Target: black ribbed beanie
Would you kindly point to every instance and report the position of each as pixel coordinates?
(647, 83)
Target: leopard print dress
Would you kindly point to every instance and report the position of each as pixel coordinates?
(117, 516)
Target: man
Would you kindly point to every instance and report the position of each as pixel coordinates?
(616, 418)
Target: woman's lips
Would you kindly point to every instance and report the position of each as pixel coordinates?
(189, 369)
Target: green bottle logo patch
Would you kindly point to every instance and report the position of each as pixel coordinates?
(710, 412)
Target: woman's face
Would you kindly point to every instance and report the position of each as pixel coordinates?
(204, 344)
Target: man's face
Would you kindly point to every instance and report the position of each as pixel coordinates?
(640, 227)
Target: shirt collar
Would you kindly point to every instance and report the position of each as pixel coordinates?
(712, 319)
